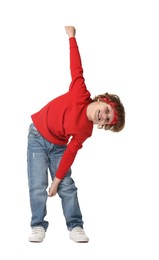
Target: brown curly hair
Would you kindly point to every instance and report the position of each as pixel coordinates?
(118, 108)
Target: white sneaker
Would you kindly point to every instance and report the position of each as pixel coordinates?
(77, 234)
(38, 234)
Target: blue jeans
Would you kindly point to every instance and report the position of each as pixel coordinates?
(43, 156)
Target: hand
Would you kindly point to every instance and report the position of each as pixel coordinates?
(71, 31)
(54, 186)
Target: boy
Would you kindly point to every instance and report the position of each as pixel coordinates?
(58, 131)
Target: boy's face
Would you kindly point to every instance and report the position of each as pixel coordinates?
(102, 113)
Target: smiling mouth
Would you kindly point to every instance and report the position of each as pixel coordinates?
(98, 116)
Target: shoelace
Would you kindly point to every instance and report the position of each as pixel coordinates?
(79, 230)
(37, 230)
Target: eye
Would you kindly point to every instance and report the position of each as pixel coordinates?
(107, 120)
(107, 111)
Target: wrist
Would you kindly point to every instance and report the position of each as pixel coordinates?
(71, 36)
(56, 180)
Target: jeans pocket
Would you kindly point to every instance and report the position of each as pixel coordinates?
(33, 131)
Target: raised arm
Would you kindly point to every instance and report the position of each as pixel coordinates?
(77, 84)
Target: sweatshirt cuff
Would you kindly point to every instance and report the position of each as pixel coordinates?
(73, 42)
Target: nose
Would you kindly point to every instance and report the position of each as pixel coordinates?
(104, 116)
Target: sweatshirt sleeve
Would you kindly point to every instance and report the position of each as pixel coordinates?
(78, 82)
(68, 158)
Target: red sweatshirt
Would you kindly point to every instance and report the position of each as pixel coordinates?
(63, 120)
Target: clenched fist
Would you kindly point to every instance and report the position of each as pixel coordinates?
(71, 31)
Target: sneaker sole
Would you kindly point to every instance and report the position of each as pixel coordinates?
(79, 241)
(35, 241)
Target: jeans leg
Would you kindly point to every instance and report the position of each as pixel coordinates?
(37, 177)
(67, 190)
(68, 193)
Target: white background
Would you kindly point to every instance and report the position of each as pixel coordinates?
(116, 173)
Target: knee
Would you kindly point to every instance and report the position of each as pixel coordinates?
(67, 186)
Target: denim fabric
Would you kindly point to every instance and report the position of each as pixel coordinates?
(44, 157)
